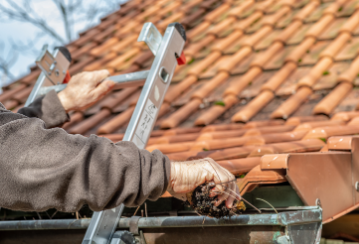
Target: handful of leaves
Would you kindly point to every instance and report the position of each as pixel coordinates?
(201, 202)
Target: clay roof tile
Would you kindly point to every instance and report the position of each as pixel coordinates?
(116, 122)
(236, 11)
(319, 27)
(10, 93)
(253, 107)
(271, 20)
(215, 111)
(217, 12)
(331, 101)
(89, 123)
(326, 132)
(308, 9)
(333, 49)
(206, 89)
(243, 82)
(181, 114)
(290, 105)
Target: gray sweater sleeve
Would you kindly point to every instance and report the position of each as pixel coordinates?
(47, 168)
(47, 108)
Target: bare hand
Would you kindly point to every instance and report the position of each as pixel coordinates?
(186, 176)
(85, 89)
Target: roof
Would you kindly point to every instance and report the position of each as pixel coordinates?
(263, 77)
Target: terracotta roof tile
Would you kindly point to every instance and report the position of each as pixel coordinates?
(271, 20)
(31, 78)
(309, 145)
(312, 55)
(240, 166)
(11, 104)
(121, 60)
(332, 30)
(287, 108)
(87, 37)
(257, 176)
(318, 12)
(77, 67)
(116, 122)
(333, 8)
(239, 86)
(83, 50)
(345, 116)
(314, 124)
(106, 33)
(210, 85)
(350, 74)
(349, 52)
(98, 51)
(331, 101)
(326, 132)
(318, 28)
(181, 114)
(329, 79)
(10, 93)
(191, 5)
(253, 107)
(274, 83)
(339, 143)
(21, 96)
(300, 50)
(302, 119)
(307, 10)
(333, 49)
(316, 72)
(262, 59)
(235, 59)
(264, 5)
(98, 64)
(180, 88)
(74, 118)
(203, 64)
(351, 24)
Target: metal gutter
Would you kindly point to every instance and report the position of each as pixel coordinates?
(282, 219)
(292, 226)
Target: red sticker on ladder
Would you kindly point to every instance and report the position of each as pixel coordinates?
(67, 78)
(182, 59)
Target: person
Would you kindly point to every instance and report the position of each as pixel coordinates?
(42, 166)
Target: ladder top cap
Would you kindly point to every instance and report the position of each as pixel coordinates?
(180, 29)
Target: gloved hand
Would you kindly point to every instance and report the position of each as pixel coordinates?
(85, 89)
(186, 176)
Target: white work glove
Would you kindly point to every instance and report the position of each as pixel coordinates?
(186, 176)
(85, 89)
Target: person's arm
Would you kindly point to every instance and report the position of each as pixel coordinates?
(47, 108)
(47, 168)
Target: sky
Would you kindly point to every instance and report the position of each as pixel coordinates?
(25, 33)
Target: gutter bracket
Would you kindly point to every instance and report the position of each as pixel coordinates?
(134, 225)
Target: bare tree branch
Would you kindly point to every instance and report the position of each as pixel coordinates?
(71, 13)
(7, 60)
(65, 16)
(22, 14)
